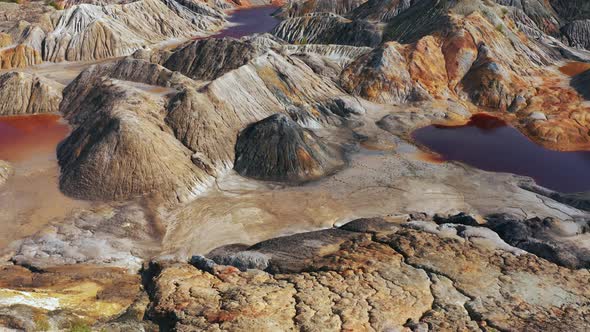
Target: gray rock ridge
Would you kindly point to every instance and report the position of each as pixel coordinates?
(23, 93)
(295, 8)
(279, 149)
(209, 59)
(328, 28)
(577, 33)
(381, 10)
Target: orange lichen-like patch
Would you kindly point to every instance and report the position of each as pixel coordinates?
(305, 160)
(427, 65)
(574, 68)
(86, 291)
(5, 39)
(19, 56)
(429, 157)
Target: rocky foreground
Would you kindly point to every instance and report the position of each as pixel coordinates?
(407, 273)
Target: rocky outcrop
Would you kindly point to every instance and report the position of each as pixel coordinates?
(577, 33)
(278, 149)
(22, 93)
(327, 28)
(382, 76)
(18, 57)
(373, 274)
(544, 238)
(488, 83)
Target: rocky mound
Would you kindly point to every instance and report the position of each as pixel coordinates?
(122, 148)
(22, 93)
(203, 122)
(278, 149)
(373, 274)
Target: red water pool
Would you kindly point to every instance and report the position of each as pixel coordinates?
(25, 136)
(489, 143)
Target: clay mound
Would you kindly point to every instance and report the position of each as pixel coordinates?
(22, 93)
(74, 107)
(278, 149)
(208, 59)
(200, 121)
(327, 28)
(124, 149)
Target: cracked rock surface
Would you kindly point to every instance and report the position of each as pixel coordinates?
(375, 274)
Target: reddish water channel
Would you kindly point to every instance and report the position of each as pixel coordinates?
(490, 144)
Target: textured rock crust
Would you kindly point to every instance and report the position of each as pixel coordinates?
(60, 298)
(373, 275)
(22, 93)
(279, 149)
(5, 171)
